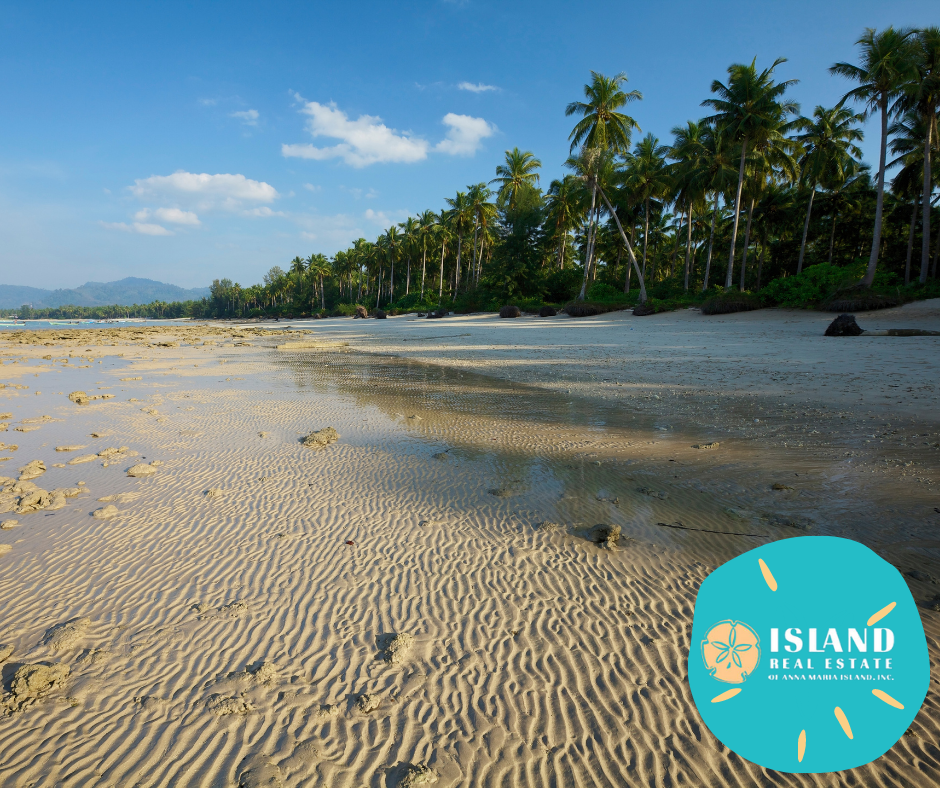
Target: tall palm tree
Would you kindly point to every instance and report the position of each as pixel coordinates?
(687, 152)
(484, 213)
(601, 124)
(427, 221)
(887, 64)
(409, 229)
(520, 172)
(318, 266)
(922, 96)
(830, 154)
(648, 178)
(565, 205)
(459, 218)
(714, 175)
(748, 108)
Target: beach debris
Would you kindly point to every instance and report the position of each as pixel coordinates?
(141, 469)
(321, 438)
(368, 703)
(547, 311)
(713, 445)
(398, 648)
(417, 774)
(361, 311)
(5, 651)
(350, 542)
(32, 470)
(224, 706)
(66, 634)
(106, 512)
(661, 494)
(32, 682)
(6, 525)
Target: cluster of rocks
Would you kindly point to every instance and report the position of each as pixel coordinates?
(23, 496)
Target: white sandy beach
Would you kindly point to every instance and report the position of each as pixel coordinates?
(219, 629)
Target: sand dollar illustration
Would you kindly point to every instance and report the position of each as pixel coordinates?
(808, 655)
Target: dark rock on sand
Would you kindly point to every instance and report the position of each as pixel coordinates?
(843, 326)
(379, 314)
(643, 310)
(510, 311)
(361, 311)
(437, 314)
(547, 311)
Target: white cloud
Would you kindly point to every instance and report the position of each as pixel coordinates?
(311, 188)
(464, 134)
(249, 116)
(205, 191)
(262, 212)
(143, 228)
(363, 141)
(383, 219)
(171, 215)
(478, 87)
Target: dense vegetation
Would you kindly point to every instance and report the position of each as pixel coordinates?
(754, 204)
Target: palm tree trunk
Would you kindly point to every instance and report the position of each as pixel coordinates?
(424, 265)
(832, 235)
(936, 254)
(879, 204)
(925, 199)
(627, 244)
(688, 245)
(760, 260)
(711, 239)
(809, 210)
(473, 271)
(457, 270)
(322, 294)
(480, 263)
(378, 290)
(587, 256)
(391, 283)
(561, 250)
(408, 277)
(747, 242)
(440, 295)
(646, 230)
(737, 215)
(910, 241)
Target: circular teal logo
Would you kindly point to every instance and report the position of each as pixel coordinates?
(808, 655)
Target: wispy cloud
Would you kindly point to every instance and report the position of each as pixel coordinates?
(204, 191)
(262, 212)
(363, 141)
(311, 187)
(171, 215)
(476, 87)
(249, 116)
(385, 219)
(142, 228)
(464, 134)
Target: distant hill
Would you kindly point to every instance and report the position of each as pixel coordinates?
(124, 292)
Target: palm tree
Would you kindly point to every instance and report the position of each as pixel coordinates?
(409, 228)
(748, 108)
(565, 205)
(427, 222)
(714, 174)
(518, 174)
(484, 212)
(830, 154)
(887, 65)
(688, 151)
(318, 266)
(459, 217)
(601, 125)
(648, 177)
(922, 96)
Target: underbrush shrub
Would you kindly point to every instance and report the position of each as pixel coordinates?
(731, 301)
(857, 299)
(590, 308)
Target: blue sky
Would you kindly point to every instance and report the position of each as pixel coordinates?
(188, 141)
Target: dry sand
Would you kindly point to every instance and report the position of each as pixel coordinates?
(487, 579)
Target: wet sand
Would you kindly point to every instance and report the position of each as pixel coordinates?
(428, 591)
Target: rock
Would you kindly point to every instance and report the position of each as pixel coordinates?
(213, 492)
(66, 634)
(779, 486)
(31, 682)
(607, 536)
(5, 650)
(547, 311)
(368, 703)
(643, 310)
(653, 493)
(32, 470)
(79, 397)
(262, 672)
(69, 448)
(321, 438)
(510, 311)
(106, 512)
(843, 326)
(141, 469)
(437, 314)
(713, 445)
(398, 647)
(361, 311)
(6, 525)
(379, 314)
(5, 548)
(417, 775)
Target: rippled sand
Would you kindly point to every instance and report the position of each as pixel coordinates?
(221, 630)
